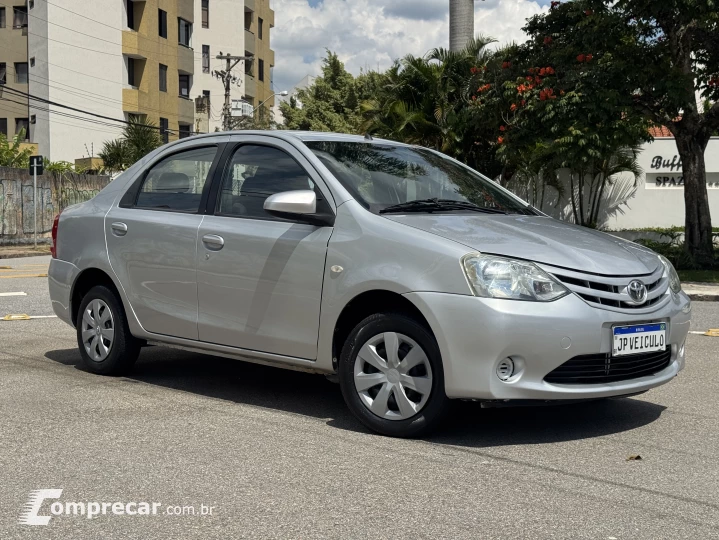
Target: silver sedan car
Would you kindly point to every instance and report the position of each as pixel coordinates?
(407, 275)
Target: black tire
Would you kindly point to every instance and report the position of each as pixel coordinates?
(436, 405)
(124, 348)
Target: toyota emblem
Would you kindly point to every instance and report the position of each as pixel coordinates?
(637, 292)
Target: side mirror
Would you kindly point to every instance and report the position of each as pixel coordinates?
(300, 205)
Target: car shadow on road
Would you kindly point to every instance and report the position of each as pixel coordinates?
(313, 395)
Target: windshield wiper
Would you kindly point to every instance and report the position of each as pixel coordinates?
(438, 205)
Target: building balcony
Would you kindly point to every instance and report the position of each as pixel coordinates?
(186, 60)
(131, 44)
(250, 5)
(250, 42)
(186, 111)
(250, 88)
(186, 10)
(131, 100)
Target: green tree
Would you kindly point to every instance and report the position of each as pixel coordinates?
(138, 139)
(424, 100)
(330, 104)
(649, 58)
(11, 155)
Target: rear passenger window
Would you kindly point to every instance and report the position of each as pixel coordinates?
(176, 182)
(255, 173)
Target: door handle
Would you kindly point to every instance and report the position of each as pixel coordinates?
(213, 242)
(119, 229)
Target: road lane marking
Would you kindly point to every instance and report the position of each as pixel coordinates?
(23, 275)
(25, 317)
(13, 294)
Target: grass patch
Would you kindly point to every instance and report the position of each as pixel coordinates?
(702, 276)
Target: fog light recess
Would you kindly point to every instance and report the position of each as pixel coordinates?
(505, 369)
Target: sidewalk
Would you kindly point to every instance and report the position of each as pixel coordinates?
(707, 292)
(13, 252)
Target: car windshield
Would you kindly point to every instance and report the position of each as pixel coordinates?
(390, 178)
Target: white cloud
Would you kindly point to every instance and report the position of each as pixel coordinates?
(370, 34)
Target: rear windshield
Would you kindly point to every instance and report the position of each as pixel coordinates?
(383, 175)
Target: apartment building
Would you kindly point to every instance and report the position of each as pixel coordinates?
(218, 29)
(14, 107)
(87, 64)
(259, 20)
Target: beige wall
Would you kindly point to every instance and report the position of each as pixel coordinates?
(149, 51)
(13, 48)
(255, 88)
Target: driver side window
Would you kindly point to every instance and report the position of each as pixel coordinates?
(254, 173)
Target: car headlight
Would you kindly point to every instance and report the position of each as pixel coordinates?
(674, 283)
(498, 277)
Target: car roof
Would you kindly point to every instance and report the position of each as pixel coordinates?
(303, 136)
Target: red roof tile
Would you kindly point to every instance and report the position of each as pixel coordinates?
(660, 131)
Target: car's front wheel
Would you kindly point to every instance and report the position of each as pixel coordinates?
(391, 376)
(103, 337)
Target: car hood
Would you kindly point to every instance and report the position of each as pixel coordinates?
(540, 239)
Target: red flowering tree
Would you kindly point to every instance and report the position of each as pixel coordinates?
(643, 57)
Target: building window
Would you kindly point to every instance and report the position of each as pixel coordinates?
(31, 4)
(260, 25)
(3, 126)
(130, 8)
(184, 32)
(185, 86)
(21, 72)
(205, 59)
(248, 20)
(261, 69)
(185, 130)
(2, 17)
(163, 78)
(33, 119)
(22, 124)
(164, 133)
(205, 13)
(248, 64)
(32, 62)
(3, 73)
(162, 23)
(20, 17)
(131, 72)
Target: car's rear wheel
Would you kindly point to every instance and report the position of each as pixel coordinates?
(103, 337)
(391, 376)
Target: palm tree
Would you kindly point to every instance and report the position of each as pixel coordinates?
(423, 99)
(138, 139)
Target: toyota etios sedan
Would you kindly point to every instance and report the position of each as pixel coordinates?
(410, 276)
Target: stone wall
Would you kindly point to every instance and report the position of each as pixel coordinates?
(55, 191)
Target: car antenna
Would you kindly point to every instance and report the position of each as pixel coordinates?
(368, 137)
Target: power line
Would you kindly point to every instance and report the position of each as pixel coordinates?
(49, 102)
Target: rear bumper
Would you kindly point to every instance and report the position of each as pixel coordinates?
(475, 334)
(61, 276)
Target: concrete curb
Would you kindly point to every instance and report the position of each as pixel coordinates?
(701, 297)
(22, 254)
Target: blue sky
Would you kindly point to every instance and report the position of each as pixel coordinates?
(371, 34)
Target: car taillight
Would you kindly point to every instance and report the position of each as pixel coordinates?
(53, 246)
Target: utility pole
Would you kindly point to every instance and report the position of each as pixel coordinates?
(226, 77)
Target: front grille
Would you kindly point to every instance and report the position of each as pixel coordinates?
(610, 292)
(603, 368)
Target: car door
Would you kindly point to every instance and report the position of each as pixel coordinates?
(152, 240)
(259, 277)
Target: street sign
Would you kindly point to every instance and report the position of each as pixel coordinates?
(36, 165)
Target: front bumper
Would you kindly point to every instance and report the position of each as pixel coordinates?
(475, 334)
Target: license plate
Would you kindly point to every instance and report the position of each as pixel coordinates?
(639, 339)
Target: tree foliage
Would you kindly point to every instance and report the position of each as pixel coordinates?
(138, 139)
(11, 153)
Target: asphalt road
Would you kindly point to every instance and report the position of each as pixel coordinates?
(277, 454)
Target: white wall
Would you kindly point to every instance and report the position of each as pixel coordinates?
(663, 205)
(658, 199)
(227, 34)
(80, 65)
